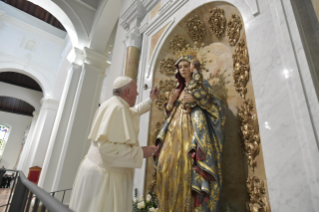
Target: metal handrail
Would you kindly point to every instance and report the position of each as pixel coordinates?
(25, 188)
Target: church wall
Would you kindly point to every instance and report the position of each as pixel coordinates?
(63, 70)
(28, 19)
(286, 102)
(34, 48)
(19, 124)
(32, 44)
(117, 64)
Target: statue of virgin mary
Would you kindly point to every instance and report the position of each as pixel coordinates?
(188, 161)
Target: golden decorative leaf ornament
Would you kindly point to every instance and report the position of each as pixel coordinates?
(234, 26)
(257, 200)
(177, 43)
(249, 132)
(217, 21)
(167, 67)
(241, 68)
(196, 28)
(165, 87)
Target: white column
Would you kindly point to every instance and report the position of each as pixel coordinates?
(28, 142)
(42, 132)
(69, 143)
(61, 126)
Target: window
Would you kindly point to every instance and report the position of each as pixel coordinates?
(4, 130)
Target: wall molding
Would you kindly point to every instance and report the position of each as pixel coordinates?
(253, 6)
(7, 19)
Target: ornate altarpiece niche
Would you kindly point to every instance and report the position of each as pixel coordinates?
(228, 71)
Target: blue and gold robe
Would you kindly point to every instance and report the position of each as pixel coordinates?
(188, 163)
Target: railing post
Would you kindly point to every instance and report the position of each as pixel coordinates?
(63, 196)
(13, 187)
(29, 202)
(15, 200)
(24, 196)
(36, 205)
(43, 208)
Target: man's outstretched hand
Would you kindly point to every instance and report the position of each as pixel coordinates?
(154, 93)
(148, 151)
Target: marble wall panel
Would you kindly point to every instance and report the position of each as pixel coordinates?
(155, 38)
(280, 104)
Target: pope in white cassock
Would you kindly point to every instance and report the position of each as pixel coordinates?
(105, 176)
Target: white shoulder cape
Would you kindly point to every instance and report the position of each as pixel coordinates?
(113, 122)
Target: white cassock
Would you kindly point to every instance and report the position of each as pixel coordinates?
(104, 182)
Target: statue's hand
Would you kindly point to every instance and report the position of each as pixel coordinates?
(188, 98)
(173, 96)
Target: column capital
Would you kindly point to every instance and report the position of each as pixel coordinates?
(35, 114)
(134, 38)
(76, 56)
(95, 59)
(133, 16)
(49, 104)
(88, 56)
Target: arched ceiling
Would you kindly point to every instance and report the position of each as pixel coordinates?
(13, 105)
(35, 11)
(21, 80)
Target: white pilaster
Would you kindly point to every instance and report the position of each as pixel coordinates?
(28, 142)
(42, 132)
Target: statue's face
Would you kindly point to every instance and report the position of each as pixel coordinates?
(184, 69)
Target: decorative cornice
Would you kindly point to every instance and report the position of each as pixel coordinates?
(133, 15)
(150, 4)
(171, 4)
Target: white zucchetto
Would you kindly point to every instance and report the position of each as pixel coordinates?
(121, 81)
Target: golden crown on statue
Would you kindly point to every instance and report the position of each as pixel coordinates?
(197, 53)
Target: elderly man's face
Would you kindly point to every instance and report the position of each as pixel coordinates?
(132, 94)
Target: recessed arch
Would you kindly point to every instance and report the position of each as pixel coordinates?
(70, 20)
(241, 5)
(101, 32)
(17, 106)
(30, 72)
(219, 73)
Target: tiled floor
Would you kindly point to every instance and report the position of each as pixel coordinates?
(4, 195)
